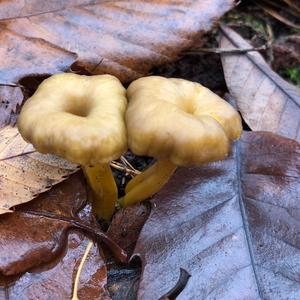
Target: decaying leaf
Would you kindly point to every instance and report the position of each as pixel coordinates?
(36, 233)
(29, 239)
(286, 11)
(232, 225)
(286, 52)
(125, 38)
(265, 100)
(126, 225)
(10, 98)
(56, 279)
(23, 177)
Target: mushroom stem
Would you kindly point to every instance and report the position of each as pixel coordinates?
(148, 182)
(105, 191)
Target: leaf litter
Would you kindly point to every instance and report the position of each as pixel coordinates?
(124, 280)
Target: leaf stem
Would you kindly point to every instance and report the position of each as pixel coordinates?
(117, 251)
(76, 282)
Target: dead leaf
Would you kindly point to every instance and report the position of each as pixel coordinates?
(285, 11)
(56, 279)
(125, 38)
(232, 225)
(36, 233)
(265, 100)
(23, 177)
(10, 98)
(286, 52)
(126, 225)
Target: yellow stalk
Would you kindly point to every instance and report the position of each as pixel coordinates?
(148, 183)
(105, 191)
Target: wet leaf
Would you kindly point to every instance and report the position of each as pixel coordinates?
(232, 225)
(124, 229)
(56, 279)
(36, 233)
(126, 225)
(23, 177)
(265, 100)
(124, 38)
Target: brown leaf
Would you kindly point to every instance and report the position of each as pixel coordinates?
(232, 225)
(286, 52)
(24, 176)
(286, 11)
(57, 278)
(37, 231)
(126, 225)
(265, 100)
(124, 38)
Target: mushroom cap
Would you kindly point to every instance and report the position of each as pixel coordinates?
(179, 120)
(80, 118)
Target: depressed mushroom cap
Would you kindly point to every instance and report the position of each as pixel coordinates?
(80, 118)
(179, 120)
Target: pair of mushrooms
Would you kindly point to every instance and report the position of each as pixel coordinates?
(86, 120)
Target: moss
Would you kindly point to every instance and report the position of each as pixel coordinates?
(293, 74)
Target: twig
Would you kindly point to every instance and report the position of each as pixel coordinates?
(225, 51)
(127, 163)
(85, 255)
(12, 85)
(120, 167)
(270, 43)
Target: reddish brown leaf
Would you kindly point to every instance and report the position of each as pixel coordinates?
(125, 38)
(232, 225)
(126, 225)
(266, 101)
(56, 279)
(37, 231)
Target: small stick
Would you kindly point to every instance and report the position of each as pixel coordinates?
(120, 167)
(85, 255)
(127, 163)
(225, 51)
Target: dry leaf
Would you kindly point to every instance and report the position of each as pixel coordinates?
(286, 11)
(125, 38)
(55, 281)
(23, 177)
(265, 100)
(10, 98)
(232, 225)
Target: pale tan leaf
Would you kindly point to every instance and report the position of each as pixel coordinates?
(25, 173)
(266, 101)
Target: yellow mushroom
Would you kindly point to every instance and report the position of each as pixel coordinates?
(181, 123)
(80, 118)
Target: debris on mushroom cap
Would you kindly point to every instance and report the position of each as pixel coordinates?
(80, 118)
(179, 120)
